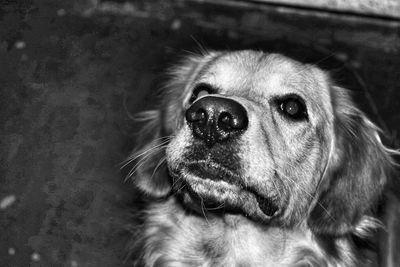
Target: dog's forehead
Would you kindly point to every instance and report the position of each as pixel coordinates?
(266, 75)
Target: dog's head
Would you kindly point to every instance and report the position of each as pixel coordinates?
(264, 136)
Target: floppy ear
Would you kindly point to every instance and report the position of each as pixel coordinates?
(149, 171)
(356, 174)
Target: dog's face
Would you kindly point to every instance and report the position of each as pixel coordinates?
(253, 137)
(269, 138)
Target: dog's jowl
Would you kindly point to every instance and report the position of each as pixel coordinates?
(257, 160)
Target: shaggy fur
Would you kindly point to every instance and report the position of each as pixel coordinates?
(292, 192)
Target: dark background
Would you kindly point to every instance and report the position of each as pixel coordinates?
(72, 73)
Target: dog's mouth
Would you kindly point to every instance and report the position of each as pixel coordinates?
(208, 187)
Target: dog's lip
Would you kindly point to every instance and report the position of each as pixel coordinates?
(215, 184)
(213, 171)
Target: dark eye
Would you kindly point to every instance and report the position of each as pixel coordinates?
(293, 107)
(200, 90)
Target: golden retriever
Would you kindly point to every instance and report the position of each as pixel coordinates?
(255, 159)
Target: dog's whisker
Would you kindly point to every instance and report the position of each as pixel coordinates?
(145, 157)
(288, 179)
(168, 137)
(175, 181)
(141, 153)
(276, 187)
(148, 154)
(286, 183)
(202, 209)
(145, 154)
(137, 166)
(181, 188)
(218, 207)
(160, 162)
(298, 186)
(140, 163)
(203, 51)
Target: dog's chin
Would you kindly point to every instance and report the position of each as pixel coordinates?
(203, 189)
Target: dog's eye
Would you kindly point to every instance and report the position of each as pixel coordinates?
(293, 107)
(200, 90)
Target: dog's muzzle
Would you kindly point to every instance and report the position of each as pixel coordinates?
(209, 177)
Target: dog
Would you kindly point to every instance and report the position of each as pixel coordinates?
(255, 159)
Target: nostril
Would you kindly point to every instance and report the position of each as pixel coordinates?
(239, 123)
(196, 116)
(225, 121)
(230, 122)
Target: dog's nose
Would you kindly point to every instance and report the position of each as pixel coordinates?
(216, 119)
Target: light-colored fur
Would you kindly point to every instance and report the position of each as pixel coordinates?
(325, 174)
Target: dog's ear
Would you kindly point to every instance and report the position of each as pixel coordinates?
(356, 173)
(149, 171)
(147, 160)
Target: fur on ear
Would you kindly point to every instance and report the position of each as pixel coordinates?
(149, 172)
(358, 169)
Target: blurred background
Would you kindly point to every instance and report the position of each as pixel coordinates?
(72, 74)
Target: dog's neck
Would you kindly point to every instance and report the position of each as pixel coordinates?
(174, 235)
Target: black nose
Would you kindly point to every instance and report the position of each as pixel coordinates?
(216, 119)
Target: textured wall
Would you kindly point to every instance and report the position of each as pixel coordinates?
(63, 134)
